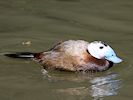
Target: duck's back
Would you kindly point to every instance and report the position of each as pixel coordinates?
(66, 55)
(71, 47)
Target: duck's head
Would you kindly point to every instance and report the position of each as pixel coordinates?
(100, 50)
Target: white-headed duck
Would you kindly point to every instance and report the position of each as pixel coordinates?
(75, 55)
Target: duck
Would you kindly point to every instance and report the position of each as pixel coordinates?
(74, 56)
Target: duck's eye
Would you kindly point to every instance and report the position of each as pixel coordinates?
(101, 47)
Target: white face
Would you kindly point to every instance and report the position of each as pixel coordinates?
(100, 50)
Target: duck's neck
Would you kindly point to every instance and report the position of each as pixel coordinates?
(98, 62)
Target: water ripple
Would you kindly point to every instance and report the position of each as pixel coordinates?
(105, 86)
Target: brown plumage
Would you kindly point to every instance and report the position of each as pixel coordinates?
(71, 55)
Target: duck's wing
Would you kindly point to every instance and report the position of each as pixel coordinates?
(71, 47)
(65, 55)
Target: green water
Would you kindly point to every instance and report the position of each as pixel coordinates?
(46, 22)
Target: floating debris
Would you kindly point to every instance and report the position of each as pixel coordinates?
(27, 43)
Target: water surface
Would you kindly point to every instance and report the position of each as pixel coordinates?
(45, 22)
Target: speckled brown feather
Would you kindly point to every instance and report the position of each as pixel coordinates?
(72, 56)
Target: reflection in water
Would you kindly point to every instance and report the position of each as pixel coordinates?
(100, 87)
(105, 86)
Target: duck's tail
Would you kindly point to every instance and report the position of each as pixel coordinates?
(22, 55)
